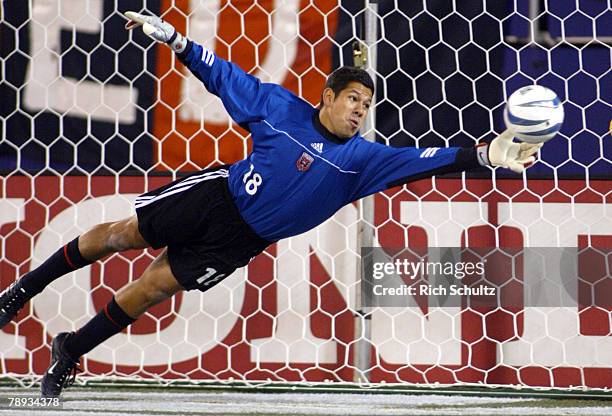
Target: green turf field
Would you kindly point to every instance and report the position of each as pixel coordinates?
(175, 401)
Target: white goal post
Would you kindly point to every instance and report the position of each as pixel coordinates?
(92, 116)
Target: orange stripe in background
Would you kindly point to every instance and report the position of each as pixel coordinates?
(194, 145)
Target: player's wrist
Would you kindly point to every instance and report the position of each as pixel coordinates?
(177, 42)
(482, 154)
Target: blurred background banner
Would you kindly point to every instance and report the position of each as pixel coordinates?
(82, 95)
(76, 92)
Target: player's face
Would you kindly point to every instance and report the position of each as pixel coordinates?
(349, 109)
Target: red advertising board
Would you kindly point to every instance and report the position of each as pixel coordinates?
(40, 213)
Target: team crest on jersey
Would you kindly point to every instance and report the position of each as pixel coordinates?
(304, 162)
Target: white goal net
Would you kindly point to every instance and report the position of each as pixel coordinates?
(92, 116)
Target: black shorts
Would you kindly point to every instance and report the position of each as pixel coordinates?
(196, 218)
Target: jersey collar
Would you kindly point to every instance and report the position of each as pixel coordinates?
(320, 128)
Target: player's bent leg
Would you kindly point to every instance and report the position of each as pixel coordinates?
(156, 284)
(100, 241)
(111, 237)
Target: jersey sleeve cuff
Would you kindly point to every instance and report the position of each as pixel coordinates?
(471, 157)
(482, 154)
(183, 55)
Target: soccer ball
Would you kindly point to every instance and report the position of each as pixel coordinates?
(534, 114)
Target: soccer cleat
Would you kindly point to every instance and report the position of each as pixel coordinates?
(11, 301)
(63, 368)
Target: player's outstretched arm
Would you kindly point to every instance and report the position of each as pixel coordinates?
(157, 29)
(385, 167)
(504, 152)
(245, 98)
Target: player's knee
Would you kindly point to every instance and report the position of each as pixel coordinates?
(118, 242)
(124, 235)
(102, 236)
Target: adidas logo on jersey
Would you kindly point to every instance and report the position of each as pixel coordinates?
(429, 152)
(208, 57)
(317, 146)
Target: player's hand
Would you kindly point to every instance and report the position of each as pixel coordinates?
(157, 29)
(504, 152)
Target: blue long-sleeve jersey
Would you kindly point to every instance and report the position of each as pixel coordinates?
(299, 174)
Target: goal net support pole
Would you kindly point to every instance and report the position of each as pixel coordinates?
(364, 55)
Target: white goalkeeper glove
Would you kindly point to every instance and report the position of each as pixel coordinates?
(157, 29)
(504, 152)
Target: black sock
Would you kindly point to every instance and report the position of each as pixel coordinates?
(64, 260)
(109, 321)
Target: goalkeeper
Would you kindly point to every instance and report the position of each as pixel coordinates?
(306, 164)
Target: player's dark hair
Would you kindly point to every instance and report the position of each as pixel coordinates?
(341, 77)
